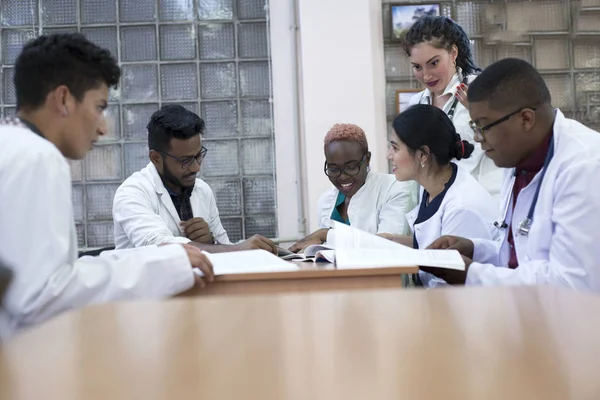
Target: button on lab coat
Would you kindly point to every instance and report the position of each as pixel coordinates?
(379, 206)
(39, 242)
(144, 213)
(467, 210)
(481, 167)
(563, 246)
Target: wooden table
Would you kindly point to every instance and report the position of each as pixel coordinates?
(308, 277)
(477, 343)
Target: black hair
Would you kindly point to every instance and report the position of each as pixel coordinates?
(510, 83)
(424, 125)
(443, 33)
(172, 121)
(69, 59)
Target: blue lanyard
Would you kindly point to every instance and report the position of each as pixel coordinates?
(549, 156)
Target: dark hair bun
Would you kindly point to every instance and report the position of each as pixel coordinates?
(461, 149)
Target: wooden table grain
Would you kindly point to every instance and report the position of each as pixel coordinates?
(451, 343)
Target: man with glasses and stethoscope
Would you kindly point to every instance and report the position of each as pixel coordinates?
(550, 209)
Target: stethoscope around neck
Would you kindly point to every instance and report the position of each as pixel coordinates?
(525, 225)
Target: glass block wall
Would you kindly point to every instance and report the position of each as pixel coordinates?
(561, 38)
(211, 56)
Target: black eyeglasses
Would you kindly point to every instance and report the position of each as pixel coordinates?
(351, 168)
(188, 161)
(479, 131)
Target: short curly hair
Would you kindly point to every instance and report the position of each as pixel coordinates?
(69, 59)
(347, 132)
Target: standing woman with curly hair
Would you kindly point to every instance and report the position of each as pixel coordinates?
(440, 55)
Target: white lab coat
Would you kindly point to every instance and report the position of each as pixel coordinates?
(562, 247)
(481, 167)
(144, 214)
(467, 210)
(379, 206)
(39, 242)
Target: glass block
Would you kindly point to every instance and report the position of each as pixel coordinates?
(220, 118)
(98, 11)
(257, 156)
(193, 107)
(138, 43)
(228, 194)
(587, 82)
(254, 79)
(135, 120)
(222, 158)
(587, 22)
(19, 12)
(215, 9)
(8, 87)
(137, 11)
(13, 42)
(469, 14)
(261, 225)
(76, 170)
(233, 227)
(112, 116)
(508, 51)
(259, 195)
(103, 163)
(176, 10)
(483, 55)
(103, 37)
(587, 54)
(397, 63)
(177, 42)
(100, 234)
(253, 40)
(178, 81)
(77, 200)
(140, 82)
(551, 53)
(218, 80)
(80, 228)
(99, 201)
(59, 12)
(66, 29)
(560, 90)
(136, 157)
(252, 9)
(10, 112)
(256, 118)
(216, 41)
(537, 16)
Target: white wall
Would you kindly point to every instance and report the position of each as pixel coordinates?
(341, 79)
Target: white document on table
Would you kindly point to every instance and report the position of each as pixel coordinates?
(247, 262)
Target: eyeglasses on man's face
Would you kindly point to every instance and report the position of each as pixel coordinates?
(480, 130)
(188, 161)
(351, 168)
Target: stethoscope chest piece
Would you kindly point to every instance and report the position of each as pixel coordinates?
(524, 227)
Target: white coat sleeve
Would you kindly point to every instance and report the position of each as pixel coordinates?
(132, 210)
(42, 251)
(216, 227)
(325, 206)
(486, 251)
(398, 201)
(574, 251)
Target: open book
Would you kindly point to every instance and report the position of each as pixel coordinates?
(314, 253)
(358, 249)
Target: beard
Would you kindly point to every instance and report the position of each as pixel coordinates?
(168, 176)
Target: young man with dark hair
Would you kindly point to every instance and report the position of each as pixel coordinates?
(551, 202)
(62, 84)
(166, 202)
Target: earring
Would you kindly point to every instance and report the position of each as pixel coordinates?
(422, 164)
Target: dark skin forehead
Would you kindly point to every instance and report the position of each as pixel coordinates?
(343, 151)
(183, 148)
